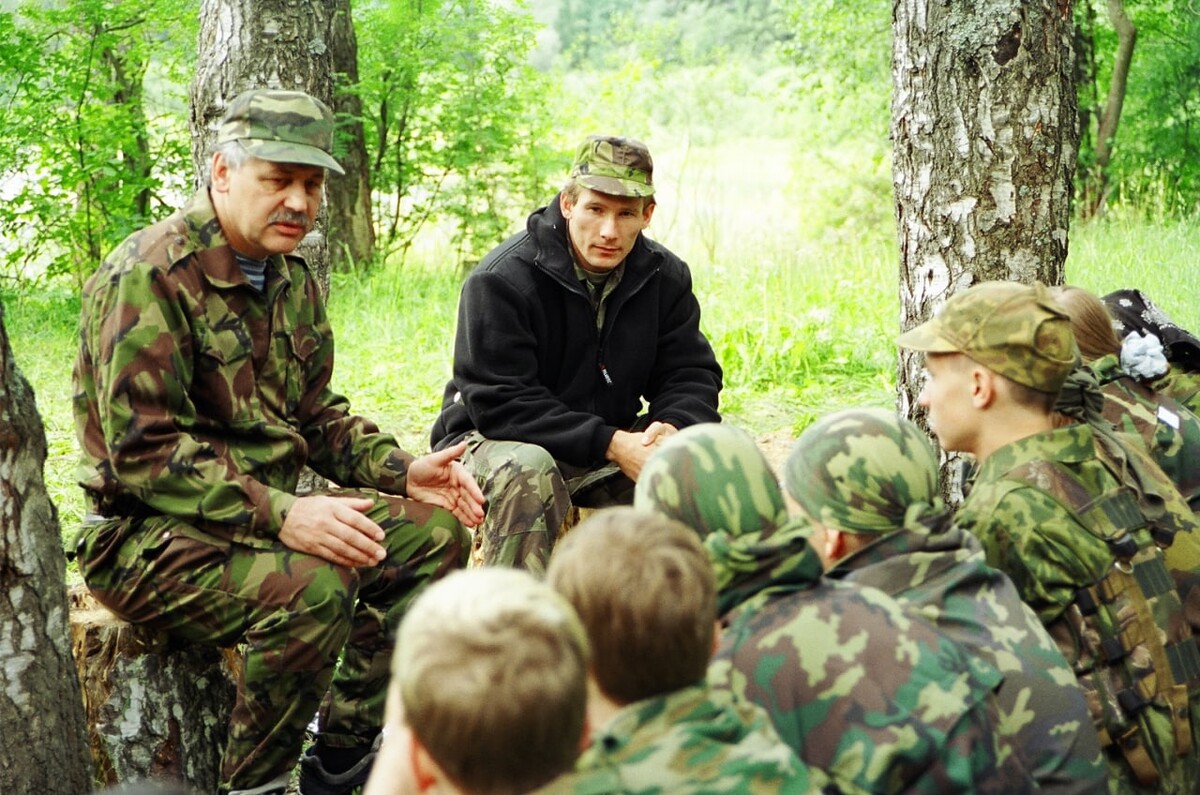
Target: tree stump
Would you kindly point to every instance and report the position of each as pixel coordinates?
(155, 708)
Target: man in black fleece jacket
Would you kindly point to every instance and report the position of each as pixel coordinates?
(563, 331)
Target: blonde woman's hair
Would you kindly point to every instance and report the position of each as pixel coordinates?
(645, 590)
(491, 667)
(1090, 321)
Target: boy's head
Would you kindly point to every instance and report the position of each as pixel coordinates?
(1016, 330)
(645, 590)
(490, 678)
(997, 344)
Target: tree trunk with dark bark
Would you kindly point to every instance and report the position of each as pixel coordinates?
(985, 142)
(43, 735)
(248, 44)
(351, 229)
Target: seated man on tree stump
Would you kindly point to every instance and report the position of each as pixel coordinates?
(202, 388)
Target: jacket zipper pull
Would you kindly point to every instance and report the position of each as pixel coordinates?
(604, 372)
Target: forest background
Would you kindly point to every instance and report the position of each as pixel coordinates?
(768, 121)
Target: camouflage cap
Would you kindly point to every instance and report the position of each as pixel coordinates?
(616, 166)
(861, 470)
(281, 126)
(712, 477)
(1017, 330)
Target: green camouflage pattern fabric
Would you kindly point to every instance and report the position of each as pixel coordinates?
(294, 613)
(1016, 330)
(860, 687)
(1099, 575)
(616, 166)
(869, 471)
(198, 398)
(281, 126)
(1181, 385)
(197, 402)
(529, 497)
(690, 741)
(863, 471)
(1169, 431)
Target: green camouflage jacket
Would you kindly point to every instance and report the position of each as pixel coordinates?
(197, 397)
(1065, 567)
(1169, 430)
(691, 741)
(944, 575)
(870, 693)
(1179, 384)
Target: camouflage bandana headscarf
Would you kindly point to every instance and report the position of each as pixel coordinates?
(714, 479)
(866, 471)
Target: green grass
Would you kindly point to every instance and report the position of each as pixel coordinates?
(802, 325)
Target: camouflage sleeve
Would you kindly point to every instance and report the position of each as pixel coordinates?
(346, 448)
(138, 325)
(1029, 537)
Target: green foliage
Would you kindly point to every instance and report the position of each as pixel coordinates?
(1156, 156)
(87, 150)
(455, 117)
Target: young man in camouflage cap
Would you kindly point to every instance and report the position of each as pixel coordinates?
(858, 685)
(201, 391)
(1090, 531)
(866, 480)
(645, 592)
(563, 330)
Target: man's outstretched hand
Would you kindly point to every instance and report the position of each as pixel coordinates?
(441, 479)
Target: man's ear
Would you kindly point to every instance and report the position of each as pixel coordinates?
(983, 387)
(219, 173)
(565, 203)
(648, 212)
(835, 545)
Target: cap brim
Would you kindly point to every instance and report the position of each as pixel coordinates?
(615, 187)
(286, 152)
(926, 337)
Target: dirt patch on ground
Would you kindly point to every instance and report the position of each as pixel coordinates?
(775, 447)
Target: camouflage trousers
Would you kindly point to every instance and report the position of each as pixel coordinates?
(293, 615)
(529, 495)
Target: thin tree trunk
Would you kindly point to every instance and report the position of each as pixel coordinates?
(985, 143)
(261, 44)
(1106, 133)
(43, 732)
(351, 231)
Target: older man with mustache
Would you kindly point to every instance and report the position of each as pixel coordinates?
(202, 388)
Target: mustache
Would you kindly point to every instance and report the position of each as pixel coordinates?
(290, 217)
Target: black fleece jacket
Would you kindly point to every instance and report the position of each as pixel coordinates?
(530, 365)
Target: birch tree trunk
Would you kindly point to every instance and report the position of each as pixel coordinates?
(43, 733)
(985, 144)
(261, 44)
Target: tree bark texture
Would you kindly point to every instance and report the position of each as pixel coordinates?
(43, 735)
(246, 44)
(154, 710)
(985, 143)
(351, 229)
(1110, 114)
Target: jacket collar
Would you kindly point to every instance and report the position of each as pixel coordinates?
(203, 238)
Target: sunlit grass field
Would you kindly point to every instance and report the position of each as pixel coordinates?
(802, 315)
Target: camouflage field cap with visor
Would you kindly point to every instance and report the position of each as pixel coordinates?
(1016, 330)
(616, 166)
(281, 126)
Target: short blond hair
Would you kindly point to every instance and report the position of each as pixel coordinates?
(645, 590)
(491, 667)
